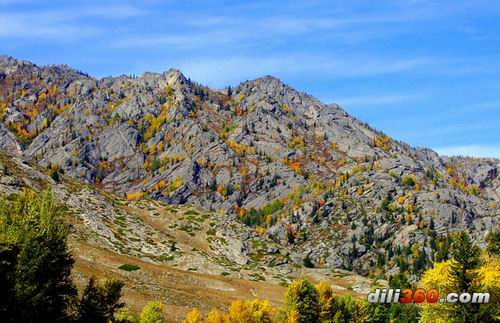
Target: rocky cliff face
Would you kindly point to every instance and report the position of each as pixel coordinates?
(295, 171)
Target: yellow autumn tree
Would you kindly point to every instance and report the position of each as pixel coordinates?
(489, 281)
(301, 301)
(260, 230)
(215, 316)
(251, 311)
(490, 273)
(438, 277)
(194, 316)
(152, 149)
(152, 313)
(135, 195)
(175, 184)
(297, 142)
(326, 302)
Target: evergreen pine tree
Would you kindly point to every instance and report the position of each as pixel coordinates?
(301, 297)
(466, 259)
(34, 260)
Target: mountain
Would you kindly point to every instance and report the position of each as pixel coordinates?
(314, 185)
(176, 254)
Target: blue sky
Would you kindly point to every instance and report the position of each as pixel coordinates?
(425, 72)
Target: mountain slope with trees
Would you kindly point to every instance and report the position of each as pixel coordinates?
(297, 173)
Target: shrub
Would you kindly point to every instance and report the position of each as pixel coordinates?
(175, 184)
(260, 230)
(240, 149)
(408, 180)
(263, 215)
(297, 142)
(474, 190)
(134, 196)
(54, 171)
(385, 204)
(155, 164)
(152, 313)
(215, 316)
(308, 262)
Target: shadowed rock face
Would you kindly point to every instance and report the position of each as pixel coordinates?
(347, 193)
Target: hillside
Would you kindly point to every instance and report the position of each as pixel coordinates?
(174, 265)
(291, 181)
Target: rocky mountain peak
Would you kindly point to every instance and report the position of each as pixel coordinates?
(265, 84)
(10, 64)
(283, 163)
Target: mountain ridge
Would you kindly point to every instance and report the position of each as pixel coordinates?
(296, 171)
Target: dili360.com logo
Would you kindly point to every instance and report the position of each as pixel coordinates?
(405, 296)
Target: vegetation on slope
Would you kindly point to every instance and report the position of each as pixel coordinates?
(468, 271)
(36, 269)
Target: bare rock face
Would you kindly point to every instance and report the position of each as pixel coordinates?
(295, 171)
(9, 143)
(120, 142)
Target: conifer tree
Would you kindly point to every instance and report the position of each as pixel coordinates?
(493, 243)
(301, 298)
(35, 264)
(100, 302)
(466, 259)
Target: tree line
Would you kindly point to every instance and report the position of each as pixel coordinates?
(36, 285)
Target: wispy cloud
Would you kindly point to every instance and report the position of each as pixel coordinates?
(229, 69)
(235, 27)
(377, 100)
(437, 60)
(68, 23)
(470, 150)
(174, 40)
(20, 26)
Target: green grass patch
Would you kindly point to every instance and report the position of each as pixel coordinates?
(165, 257)
(257, 277)
(129, 267)
(191, 212)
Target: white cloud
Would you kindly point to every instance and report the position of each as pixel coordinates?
(19, 26)
(375, 100)
(62, 24)
(177, 41)
(212, 71)
(470, 150)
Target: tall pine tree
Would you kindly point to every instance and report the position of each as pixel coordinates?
(466, 259)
